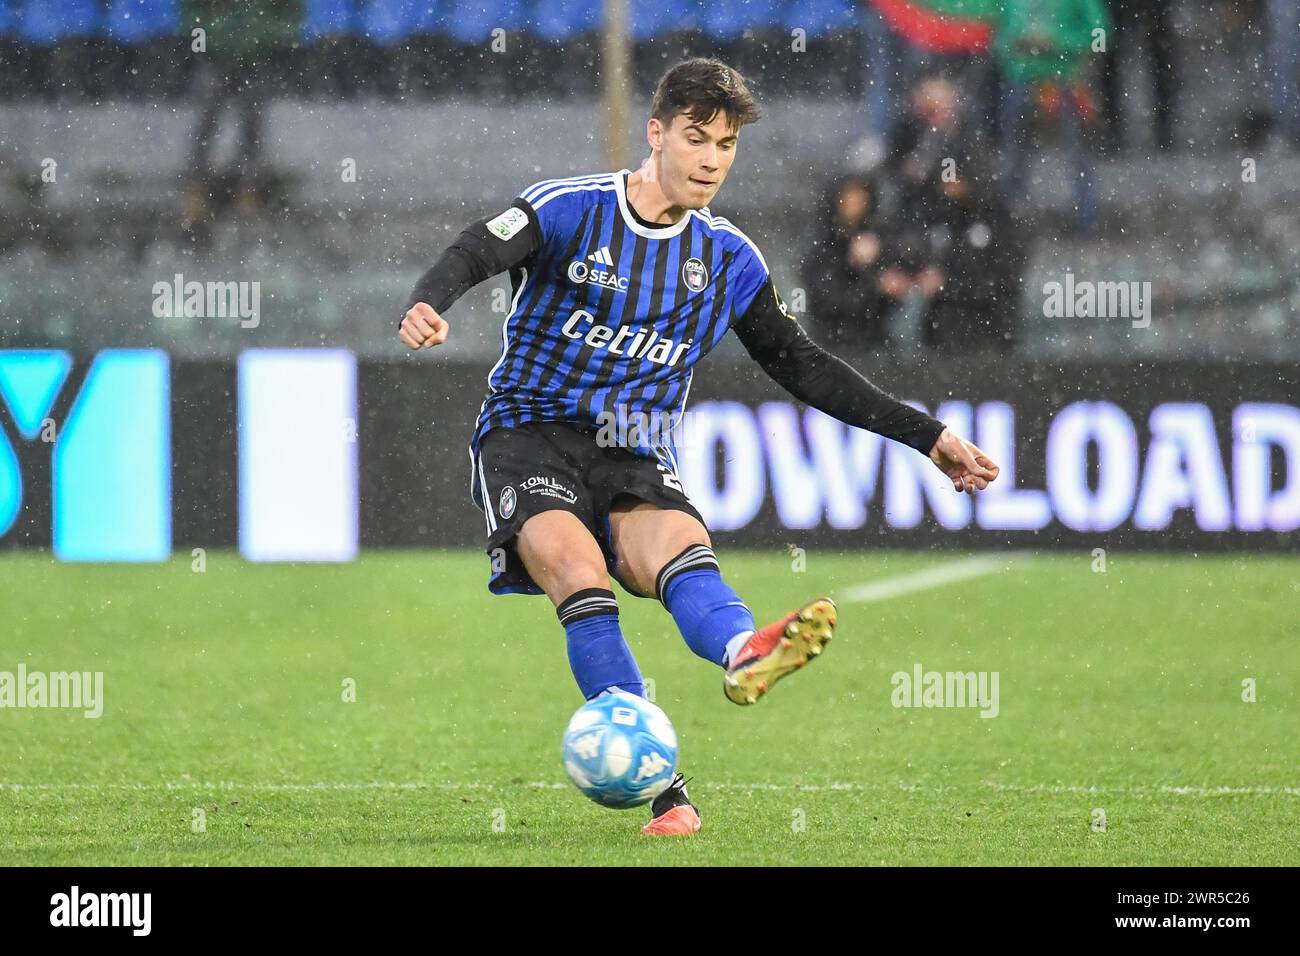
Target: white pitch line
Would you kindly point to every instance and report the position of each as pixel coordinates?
(229, 786)
(1162, 790)
(938, 576)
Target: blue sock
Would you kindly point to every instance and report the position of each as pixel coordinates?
(598, 655)
(707, 611)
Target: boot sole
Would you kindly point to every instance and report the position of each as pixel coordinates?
(805, 638)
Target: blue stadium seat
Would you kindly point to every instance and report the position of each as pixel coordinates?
(389, 22)
(325, 18)
(729, 21)
(430, 15)
(650, 20)
(8, 18)
(564, 19)
(820, 16)
(471, 22)
(134, 21)
(46, 22)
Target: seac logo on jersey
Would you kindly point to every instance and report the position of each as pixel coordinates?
(694, 274)
(599, 273)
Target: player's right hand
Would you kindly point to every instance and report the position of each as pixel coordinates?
(968, 468)
(423, 328)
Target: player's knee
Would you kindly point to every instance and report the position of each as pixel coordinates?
(690, 539)
(569, 573)
(646, 539)
(563, 578)
(561, 573)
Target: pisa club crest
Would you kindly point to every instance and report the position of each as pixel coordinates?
(506, 506)
(694, 274)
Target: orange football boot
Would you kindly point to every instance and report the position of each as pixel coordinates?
(673, 814)
(780, 648)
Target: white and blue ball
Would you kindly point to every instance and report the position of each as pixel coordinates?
(620, 750)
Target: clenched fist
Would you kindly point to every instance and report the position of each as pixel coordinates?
(423, 328)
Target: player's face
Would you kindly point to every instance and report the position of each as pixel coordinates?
(696, 159)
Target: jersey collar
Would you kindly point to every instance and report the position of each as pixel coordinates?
(637, 224)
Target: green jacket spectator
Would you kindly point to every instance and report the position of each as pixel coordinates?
(241, 32)
(1039, 40)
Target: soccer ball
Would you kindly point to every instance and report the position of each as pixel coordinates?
(620, 750)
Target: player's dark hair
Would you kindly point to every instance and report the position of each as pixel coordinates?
(702, 87)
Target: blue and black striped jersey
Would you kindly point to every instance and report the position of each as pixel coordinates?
(610, 314)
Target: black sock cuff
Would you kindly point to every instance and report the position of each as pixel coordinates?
(694, 558)
(589, 602)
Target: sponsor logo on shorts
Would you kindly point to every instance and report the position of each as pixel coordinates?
(543, 485)
(506, 505)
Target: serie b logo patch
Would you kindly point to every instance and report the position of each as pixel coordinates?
(506, 503)
(694, 274)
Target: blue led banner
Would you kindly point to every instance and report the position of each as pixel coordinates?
(306, 455)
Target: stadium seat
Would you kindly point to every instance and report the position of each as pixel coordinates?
(327, 18)
(47, 22)
(471, 22)
(562, 20)
(727, 22)
(818, 17)
(389, 22)
(429, 15)
(134, 21)
(8, 18)
(651, 20)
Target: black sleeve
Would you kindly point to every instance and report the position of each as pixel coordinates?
(478, 253)
(777, 341)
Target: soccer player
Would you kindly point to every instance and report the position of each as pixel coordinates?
(621, 282)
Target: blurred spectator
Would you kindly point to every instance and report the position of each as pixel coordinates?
(955, 253)
(977, 250)
(843, 275)
(1138, 24)
(903, 40)
(1042, 47)
(937, 131)
(934, 136)
(243, 41)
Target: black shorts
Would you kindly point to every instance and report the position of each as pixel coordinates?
(548, 466)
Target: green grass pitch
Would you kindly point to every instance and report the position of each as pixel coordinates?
(1120, 692)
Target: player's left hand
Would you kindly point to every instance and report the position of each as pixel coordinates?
(969, 468)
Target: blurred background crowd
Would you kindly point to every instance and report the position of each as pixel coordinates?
(922, 167)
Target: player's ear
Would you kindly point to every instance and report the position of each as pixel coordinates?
(654, 133)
